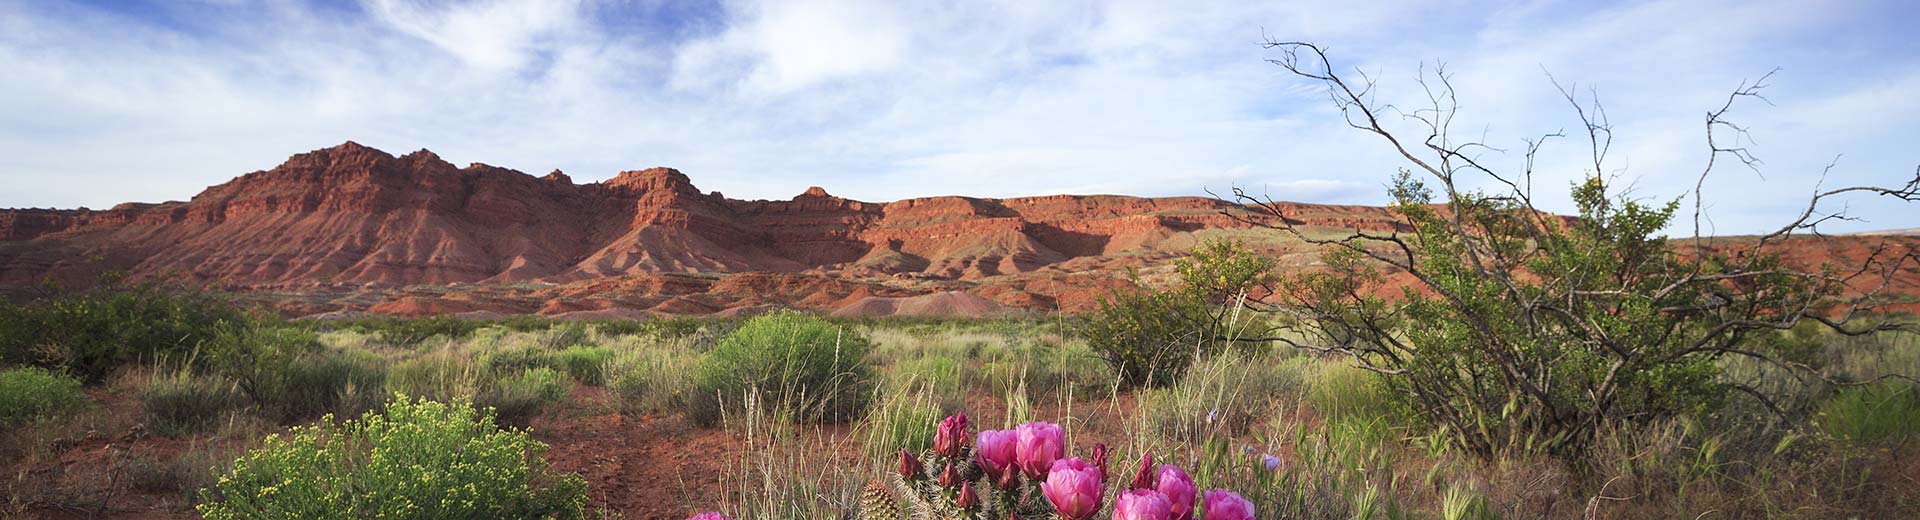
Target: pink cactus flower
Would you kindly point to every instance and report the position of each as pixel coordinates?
(710, 515)
(951, 435)
(1226, 505)
(1040, 444)
(1073, 487)
(1142, 504)
(1179, 489)
(994, 449)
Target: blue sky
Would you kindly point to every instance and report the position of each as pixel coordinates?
(111, 101)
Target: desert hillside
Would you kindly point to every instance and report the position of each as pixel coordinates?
(354, 229)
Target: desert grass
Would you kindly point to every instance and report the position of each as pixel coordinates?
(1303, 436)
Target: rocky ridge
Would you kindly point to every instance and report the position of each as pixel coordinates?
(351, 228)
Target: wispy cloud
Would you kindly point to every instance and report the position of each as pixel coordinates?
(885, 100)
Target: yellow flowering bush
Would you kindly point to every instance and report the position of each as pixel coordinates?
(416, 459)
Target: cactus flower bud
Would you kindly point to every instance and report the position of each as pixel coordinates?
(950, 476)
(910, 466)
(1008, 481)
(1143, 479)
(1100, 459)
(968, 500)
(951, 435)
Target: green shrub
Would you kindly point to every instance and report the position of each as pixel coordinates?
(652, 381)
(514, 360)
(516, 400)
(257, 358)
(799, 364)
(418, 459)
(29, 394)
(440, 377)
(659, 328)
(588, 365)
(564, 335)
(1878, 414)
(1150, 337)
(181, 403)
(1147, 337)
(407, 332)
(92, 333)
(340, 383)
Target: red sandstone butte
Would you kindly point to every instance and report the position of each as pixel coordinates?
(351, 229)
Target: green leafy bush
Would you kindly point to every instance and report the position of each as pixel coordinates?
(798, 364)
(92, 333)
(418, 459)
(258, 357)
(585, 364)
(1147, 337)
(1150, 337)
(28, 394)
(181, 403)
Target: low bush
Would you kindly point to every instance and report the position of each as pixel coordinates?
(417, 459)
(516, 400)
(28, 394)
(1873, 415)
(1150, 337)
(564, 335)
(652, 381)
(803, 366)
(1146, 336)
(181, 403)
(515, 359)
(440, 377)
(585, 364)
(92, 333)
(408, 332)
(258, 358)
(344, 384)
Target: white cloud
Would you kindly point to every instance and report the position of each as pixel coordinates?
(885, 100)
(495, 34)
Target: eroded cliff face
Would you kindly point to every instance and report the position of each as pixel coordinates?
(353, 215)
(354, 228)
